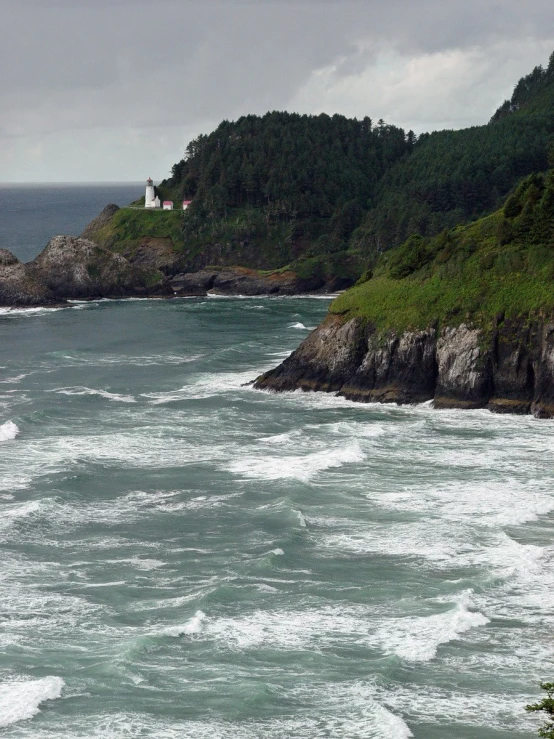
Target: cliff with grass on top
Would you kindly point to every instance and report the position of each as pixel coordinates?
(465, 318)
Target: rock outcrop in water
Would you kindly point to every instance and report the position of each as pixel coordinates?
(509, 370)
(19, 286)
(77, 268)
(71, 267)
(239, 281)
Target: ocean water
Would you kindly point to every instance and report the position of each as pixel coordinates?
(186, 557)
(31, 214)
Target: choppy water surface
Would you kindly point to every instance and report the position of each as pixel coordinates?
(183, 556)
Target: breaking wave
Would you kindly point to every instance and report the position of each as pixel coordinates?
(302, 468)
(21, 700)
(418, 639)
(8, 431)
(192, 626)
(100, 393)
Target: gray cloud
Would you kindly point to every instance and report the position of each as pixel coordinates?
(113, 88)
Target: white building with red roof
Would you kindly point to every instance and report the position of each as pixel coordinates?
(168, 205)
(186, 204)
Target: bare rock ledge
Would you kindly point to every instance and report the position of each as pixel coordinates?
(508, 370)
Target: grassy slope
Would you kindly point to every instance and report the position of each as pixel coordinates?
(253, 244)
(129, 225)
(497, 265)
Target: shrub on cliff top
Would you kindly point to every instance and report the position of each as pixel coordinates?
(503, 263)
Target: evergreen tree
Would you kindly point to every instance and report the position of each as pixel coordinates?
(546, 705)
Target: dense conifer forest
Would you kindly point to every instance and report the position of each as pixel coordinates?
(309, 187)
(324, 196)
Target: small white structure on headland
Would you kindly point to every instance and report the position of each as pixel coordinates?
(186, 204)
(151, 200)
(168, 204)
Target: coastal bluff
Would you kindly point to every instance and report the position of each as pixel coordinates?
(508, 370)
(102, 264)
(464, 319)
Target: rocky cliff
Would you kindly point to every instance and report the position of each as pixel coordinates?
(507, 370)
(155, 240)
(72, 267)
(19, 286)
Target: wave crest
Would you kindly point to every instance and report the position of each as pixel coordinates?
(20, 700)
(8, 431)
(192, 626)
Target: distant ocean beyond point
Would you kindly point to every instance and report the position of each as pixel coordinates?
(34, 212)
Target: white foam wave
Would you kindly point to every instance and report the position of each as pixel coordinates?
(21, 699)
(91, 391)
(413, 639)
(15, 379)
(192, 626)
(8, 431)
(205, 386)
(298, 325)
(11, 513)
(418, 639)
(302, 468)
(325, 719)
(282, 438)
(27, 311)
(301, 519)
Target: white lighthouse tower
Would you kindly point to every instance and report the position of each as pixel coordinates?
(150, 199)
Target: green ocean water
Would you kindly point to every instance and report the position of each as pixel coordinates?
(183, 556)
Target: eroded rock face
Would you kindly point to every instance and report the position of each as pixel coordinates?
(509, 370)
(237, 281)
(78, 268)
(463, 369)
(18, 286)
(324, 361)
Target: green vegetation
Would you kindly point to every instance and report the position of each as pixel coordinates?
(326, 196)
(131, 224)
(502, 264)
(306, 187)
(546, 705)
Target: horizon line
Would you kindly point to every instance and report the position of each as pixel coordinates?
(74, 182)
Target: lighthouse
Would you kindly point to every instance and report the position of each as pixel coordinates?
(150, 199)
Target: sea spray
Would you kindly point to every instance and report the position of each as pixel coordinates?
(8, 431)
(192, 626)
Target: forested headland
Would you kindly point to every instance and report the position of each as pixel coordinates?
(314, 186)
(324, 196)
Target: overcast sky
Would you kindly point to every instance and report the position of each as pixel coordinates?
(112, 90)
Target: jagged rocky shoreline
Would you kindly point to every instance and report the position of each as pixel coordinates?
(82, 268)
(73, 268)
(508, 370)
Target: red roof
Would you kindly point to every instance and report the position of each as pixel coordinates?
(187, 202)
(168, 202)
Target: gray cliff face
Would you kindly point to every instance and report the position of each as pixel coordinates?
(238, 281)
(509, 370)
(77, 268)
(72, 267)
(463, 368)
(18, 286)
